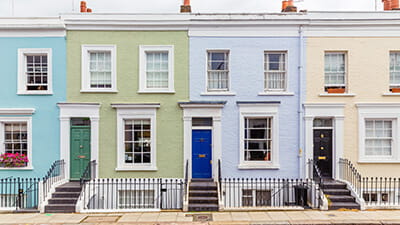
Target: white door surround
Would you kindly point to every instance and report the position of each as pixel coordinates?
(78, 110)
(202, 109)
(324, 110)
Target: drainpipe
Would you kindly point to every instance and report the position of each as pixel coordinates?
(300, 105)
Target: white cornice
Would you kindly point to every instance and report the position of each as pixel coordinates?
(325, 105)
(378, 105)
(16, 111)
(136, 106)
(31, 27)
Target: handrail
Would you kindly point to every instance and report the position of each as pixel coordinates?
(315, 172)
(349, 173)
(89, 172)
(219, 173)
(54, 174)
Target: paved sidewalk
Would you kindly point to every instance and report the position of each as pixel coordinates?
(387, 217)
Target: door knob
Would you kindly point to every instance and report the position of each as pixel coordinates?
(80, 146)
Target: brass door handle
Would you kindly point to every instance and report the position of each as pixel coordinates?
(202, 155)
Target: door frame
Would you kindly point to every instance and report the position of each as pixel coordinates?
(202, 109)
(335, 111)
(78, 110)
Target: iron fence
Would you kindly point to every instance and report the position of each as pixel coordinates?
(55, 174)
(19, 193)
(376, 191)
(89, 172)
(269, 192)
(133, 193)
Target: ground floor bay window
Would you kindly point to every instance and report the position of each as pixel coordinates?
(259, 135)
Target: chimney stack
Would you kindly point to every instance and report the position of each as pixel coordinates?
(287, 6)
(390, 5)
(185, 8)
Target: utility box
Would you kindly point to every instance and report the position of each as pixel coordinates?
(300, 195)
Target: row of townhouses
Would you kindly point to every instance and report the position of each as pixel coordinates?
(200, 111)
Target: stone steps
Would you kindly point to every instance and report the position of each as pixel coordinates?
(203, 195)
(64, 199)
(339, 197)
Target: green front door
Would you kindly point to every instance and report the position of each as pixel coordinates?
(80, 151)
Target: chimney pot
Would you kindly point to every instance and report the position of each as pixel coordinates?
(387, 5)
(89, 10)
(185, 8)
(394, 4)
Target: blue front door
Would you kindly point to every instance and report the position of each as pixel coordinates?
(201, 154)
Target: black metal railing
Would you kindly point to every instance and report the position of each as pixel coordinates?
(219, 176)
(269, 192)
(348, 172)
(89, 172)
(133, 193)
(55, 174)
(19, 193)
(315, 172)
(376, 191)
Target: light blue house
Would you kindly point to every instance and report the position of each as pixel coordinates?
(243, 117)
(33, 56)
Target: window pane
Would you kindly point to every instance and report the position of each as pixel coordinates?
(395, 68)
(137, 139)
(36, 72)
(275, 71)
(258, 139)
(378, 137)
(335, 69)
(157, 69)
(218, 71)
(100, 69)
(205, 122)
(16, 138)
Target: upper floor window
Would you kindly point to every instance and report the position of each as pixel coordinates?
(218, 71)
(275, 71)
(335, 72)
(156, 69)
(395, 71)
(98, 68)
(34, 71)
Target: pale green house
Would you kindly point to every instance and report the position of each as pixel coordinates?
(125, 77)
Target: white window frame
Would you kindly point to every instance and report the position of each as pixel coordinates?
(143, 67)
(219, 91)
(261, 110)
(135, 111)
(85, 66)
(28, 121)
(345, 70)
(22, 79)
(254, 197)
(379, 111)
(392, 85)
(266, 89)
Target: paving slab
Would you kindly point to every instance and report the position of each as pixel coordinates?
(278, 216)
(222, 216)
(240, 216)
(259, 216)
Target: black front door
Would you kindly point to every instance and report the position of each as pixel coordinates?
(323, 151)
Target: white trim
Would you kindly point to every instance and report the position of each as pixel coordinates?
(74, 110)
(217, 93)
(327, 110)
(133, 111)
(337, 94)
(260, 111)
(143, 65)
(390, 94)
(85, 74)
(17, 111)
(270, 93)
(380, 111)
(22, 79)
(202, 110)
(32, 27)
(28, 121)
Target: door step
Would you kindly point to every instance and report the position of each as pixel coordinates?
(338, 195)
(203, 195)
(64, 199)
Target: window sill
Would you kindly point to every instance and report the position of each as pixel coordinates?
(16, 168)
(377, 161)
(270, 93)
(219, 93)
(156, 92)
(35, 93)
(391, 94)
(99, 91)
(258, 166)
(337, 95)
(144, 168)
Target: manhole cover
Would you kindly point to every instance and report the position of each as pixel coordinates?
(99, 219)
(202, 217)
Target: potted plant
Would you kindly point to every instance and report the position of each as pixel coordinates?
(336, 90)
(13, 160)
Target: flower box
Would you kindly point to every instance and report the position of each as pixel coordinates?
(396, 90)
(12, 160)
(336, 90)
